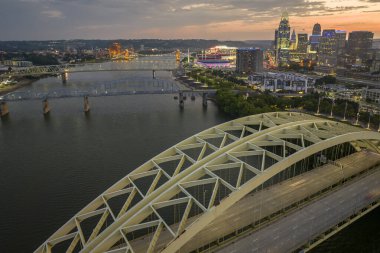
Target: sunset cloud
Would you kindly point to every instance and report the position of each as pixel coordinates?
(212, 19)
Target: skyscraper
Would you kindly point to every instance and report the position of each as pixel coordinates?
(332, 48)
(293, 41)
(359, 43)
(302, 42)
(283, 40)
(249, 60)
(341, 41)
(317, 29)
(327, 56)
(315, 37)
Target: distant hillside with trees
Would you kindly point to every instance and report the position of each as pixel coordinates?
(193, 44)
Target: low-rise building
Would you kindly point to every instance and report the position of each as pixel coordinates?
(17, 63)
(284, 81)
(372, 95)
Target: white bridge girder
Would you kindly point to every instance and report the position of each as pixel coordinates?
(296, 136)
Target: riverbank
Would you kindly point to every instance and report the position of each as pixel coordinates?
(20, 83)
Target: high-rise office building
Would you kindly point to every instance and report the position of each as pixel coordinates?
(315, 38)
(341, 41)
(293, 41)
(249, 60)
(302, 42)
(328, 55)
(341, 47)
(359, 43)
(332, 48)
(317, 29)
(282, 40)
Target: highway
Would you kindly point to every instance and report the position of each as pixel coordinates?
(293, 231)
(256, 206)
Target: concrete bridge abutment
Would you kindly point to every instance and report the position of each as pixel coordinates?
(86, 105)
(181, 100)
(204, 99)
(45, 107)
(64, 77)
(4, 110)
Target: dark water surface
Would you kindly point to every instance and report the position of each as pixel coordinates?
(52, 167)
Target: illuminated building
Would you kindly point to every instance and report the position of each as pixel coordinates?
(293, 41)
(371, 94)
(374, 58)
(331, 47)
(178, 55)
(298, 51)
(302, 42)
(359, 44)
(315, 38)
(341, 42)
(117, 53)
(226, 53)
(317, 29)
(282, 82)
(249, 60)
(217, 57)
(115, 50)
(282, 40)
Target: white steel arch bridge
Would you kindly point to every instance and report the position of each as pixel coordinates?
(168, 203)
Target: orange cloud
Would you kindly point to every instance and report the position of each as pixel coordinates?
(251, 30)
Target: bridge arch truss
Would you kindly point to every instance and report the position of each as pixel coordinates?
(172, 198)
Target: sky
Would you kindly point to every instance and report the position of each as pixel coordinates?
(178, 19)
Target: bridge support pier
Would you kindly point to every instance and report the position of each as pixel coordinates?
(4, 110)
(204, 99)
(45, 107)
(181, 100)
(154, 74)
(86, 105)
(64, 78)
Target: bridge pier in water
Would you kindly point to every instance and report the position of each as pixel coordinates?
(4, 110)
(64, 78)
(181, 100)
(204, 99)
(86, 104)
(45, 107)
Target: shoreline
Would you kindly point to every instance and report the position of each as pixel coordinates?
(20, 84)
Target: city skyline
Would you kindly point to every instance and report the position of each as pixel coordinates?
(223, 20)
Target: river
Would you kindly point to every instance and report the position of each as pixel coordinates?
(53, 166)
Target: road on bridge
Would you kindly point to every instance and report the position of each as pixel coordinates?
(293, 231)
(261, 204)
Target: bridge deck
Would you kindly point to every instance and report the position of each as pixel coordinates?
(256, 150)
(264, 203)
(295, 230)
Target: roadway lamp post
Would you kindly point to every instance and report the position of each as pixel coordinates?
(357, 116)
(319, 104)
(345, 111)
(369, 121)
(332, 106)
